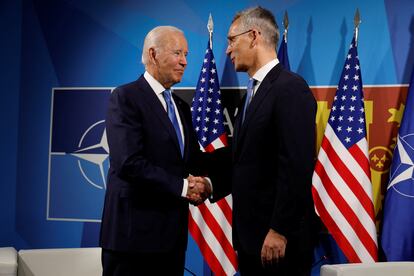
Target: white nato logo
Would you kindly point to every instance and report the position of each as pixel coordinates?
(405, 169)
(88, 154)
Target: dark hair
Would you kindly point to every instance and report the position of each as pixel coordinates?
(261, 19)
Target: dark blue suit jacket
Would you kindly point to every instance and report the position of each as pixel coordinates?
(272, 164)
(144, 210)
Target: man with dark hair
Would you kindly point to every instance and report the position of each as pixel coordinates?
(272, 156)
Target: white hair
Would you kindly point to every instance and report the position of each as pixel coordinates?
(155, 39)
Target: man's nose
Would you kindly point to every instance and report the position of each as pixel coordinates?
(183, 60)
(228, 50)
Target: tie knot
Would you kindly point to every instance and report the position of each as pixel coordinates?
(167, 94)
(251, 83)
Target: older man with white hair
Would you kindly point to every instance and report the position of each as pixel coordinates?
(153, 153)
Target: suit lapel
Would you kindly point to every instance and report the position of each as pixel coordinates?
(237, 125)
(259, 97)
(153, 101)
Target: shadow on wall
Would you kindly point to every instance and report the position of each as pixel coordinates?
(305, 67)
(229, 76)
(409, 66)
(339, 63)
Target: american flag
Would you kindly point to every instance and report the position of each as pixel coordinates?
(341, 183)
(210, 224)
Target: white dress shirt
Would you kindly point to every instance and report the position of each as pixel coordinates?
(158, 90)
(262, 73)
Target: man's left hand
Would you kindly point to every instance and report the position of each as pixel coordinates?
(274, 247)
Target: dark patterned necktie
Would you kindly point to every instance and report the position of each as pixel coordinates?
(249, 96)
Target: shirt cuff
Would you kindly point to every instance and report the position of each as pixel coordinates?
(185, 188)
(211, 185)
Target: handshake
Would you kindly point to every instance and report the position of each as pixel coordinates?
(199, 189)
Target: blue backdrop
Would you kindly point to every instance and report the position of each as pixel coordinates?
(78, 43)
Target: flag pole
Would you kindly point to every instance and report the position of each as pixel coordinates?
(210, 27)
(286, 26)
(357, 21)
(219, 255)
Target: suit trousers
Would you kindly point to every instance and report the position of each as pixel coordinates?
(251, 265)
(117, 263)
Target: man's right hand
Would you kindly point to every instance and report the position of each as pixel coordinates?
(198, 189)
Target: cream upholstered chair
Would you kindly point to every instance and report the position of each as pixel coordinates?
(8, 261)
(60, 262)
(374, 269)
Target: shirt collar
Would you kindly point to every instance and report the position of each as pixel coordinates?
(155, 85)
(262, 72)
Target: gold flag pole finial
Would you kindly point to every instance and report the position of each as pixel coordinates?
(210, 27)
(286, 25)
(357, 21)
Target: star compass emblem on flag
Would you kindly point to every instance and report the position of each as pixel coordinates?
(402, 172)
(78, 154)
(96, 154)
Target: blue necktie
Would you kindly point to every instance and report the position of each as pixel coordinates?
(249, 96)
(173, 118)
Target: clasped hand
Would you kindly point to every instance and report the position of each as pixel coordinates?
(198, 189)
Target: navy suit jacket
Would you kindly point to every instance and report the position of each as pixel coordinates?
(144, 210)
(272, 164)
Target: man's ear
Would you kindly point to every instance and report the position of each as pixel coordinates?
(152, 55)
(255, 34)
